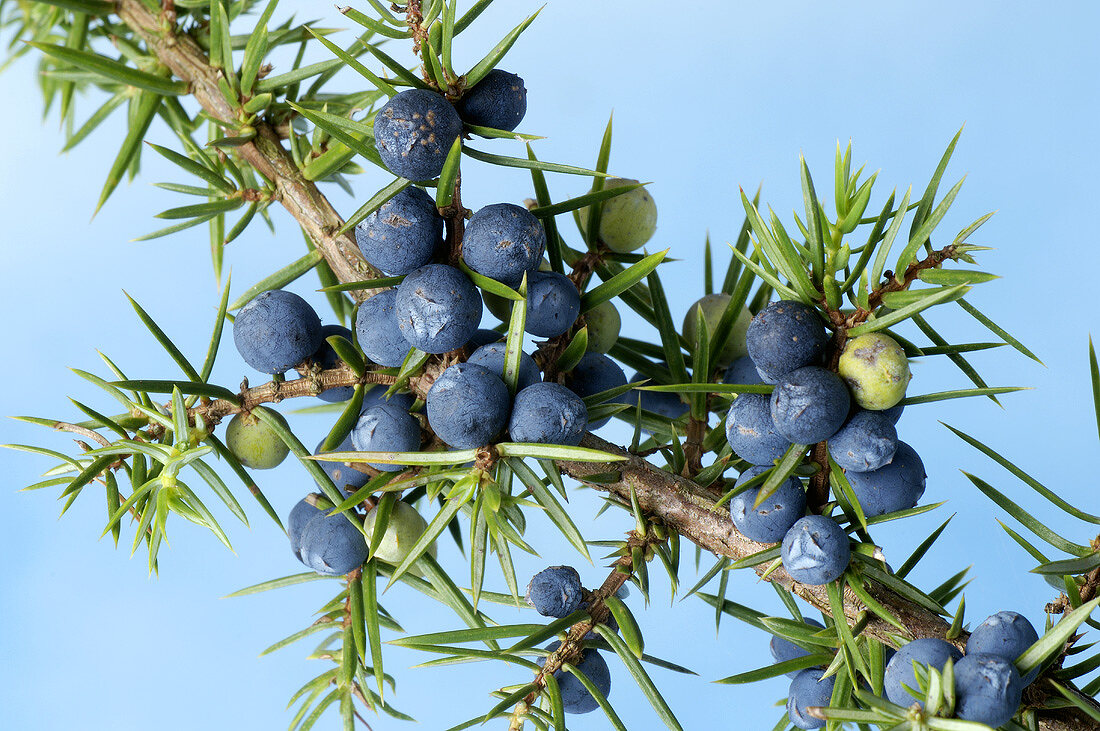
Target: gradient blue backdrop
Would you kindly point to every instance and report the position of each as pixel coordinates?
(707, 97)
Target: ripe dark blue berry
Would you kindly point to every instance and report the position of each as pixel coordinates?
(808, 689)
(742, 371)
(769, 522)
(498, 101)
(332, 546)
(988, 689)
(300, 515)
(929, 651)
(1005, 634)
(377, 395)
(403, 234)
(346, 478)
(866, 442)
(815, 550)
(276, 331)
(555, 592)
(492, 357)
(593, 374)
(809, 405)
(438, 308)
(386, 428)
(468, 405)
(553, 304)
(377, 330)
(897, 485)
(503, 241)
(663, 404)
(785, 336)
(751, 432)
(783, 650)
(484, 336)
(548, 413)
(893, 413)
(414, 132)
(574, 696)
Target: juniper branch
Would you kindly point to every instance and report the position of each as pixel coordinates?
(675, 500)
(570, 650)
(686, 508)
(311, 383)
(265, 153)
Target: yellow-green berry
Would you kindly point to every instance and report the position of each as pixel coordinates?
(713, 305)
(627, 221)
(254, 443)
(603, 323)
(403, 530)
(876, 370)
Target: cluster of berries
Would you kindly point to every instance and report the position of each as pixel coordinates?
(854, 410)
(415, 129)
(557, 592)
(437, 309)
(988, 687)
(329, 544)
(469, 404)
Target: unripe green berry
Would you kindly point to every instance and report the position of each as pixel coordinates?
(500, 307)
(713, 305)
(404, 529)
(603, 323)
(628, 220)
(254, 443)
(876, 370)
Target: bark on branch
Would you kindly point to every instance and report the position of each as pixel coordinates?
(689, 510)
(266, 154)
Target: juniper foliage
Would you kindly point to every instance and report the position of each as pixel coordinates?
(248, 138)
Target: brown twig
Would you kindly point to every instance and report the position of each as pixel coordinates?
(313, 384)
(1088, 590)
(93, 435)
(693, 446)
(415, 19)
(689, 510)
(896, 284)
(265, 153)
(583, 267)
(818, 493)
(570, 650)
(454, 220)
(351, 576)
(82, 431)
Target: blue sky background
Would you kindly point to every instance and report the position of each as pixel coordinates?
(705, 100)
